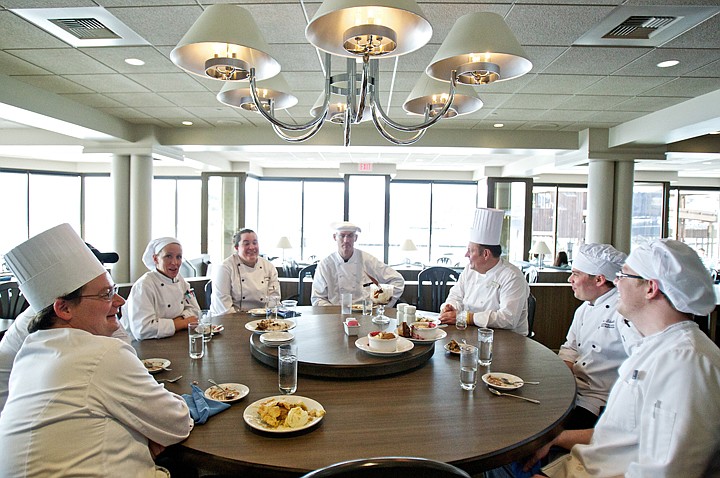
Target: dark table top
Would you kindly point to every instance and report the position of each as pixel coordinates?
(420, 412)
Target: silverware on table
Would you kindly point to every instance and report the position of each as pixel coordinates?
(499, 393)
(517, 382)
(170, 380)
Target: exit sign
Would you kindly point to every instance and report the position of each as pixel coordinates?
(365, 167)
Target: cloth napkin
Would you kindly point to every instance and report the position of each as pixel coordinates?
(202, 408)
(517, 470)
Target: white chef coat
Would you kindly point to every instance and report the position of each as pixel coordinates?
(334, 277)
(85, 405)
(663, 416)
(598, 341)
(497, 298)
(154, 300)
(13, 339)
(239, 287)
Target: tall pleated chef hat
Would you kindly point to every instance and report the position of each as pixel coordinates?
(154, 247)
(52, 264)
(599, 259)
(487, 226)
(345, 226)
(679, 272)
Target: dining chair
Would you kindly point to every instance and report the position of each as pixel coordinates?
(12, 301)
(443, 260)
(532, 303)
(307, 271)
(438, 277)
(208, 293)
(389, 467)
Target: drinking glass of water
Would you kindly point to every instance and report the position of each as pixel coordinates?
(196, 343)
(287, 368)
(461, 319)
(485, 343)
(468, 366)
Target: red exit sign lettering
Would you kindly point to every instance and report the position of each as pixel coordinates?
(365, 167)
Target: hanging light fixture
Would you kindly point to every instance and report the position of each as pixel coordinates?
(273, 94)
(226, 44)
(431, 94)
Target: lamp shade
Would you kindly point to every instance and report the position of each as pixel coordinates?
(275, 88)
(540, 247)
(408, 245)
(284, 243)
(434, 92)
(388, 28)
(481, 47)
(336, 109)
(224, 43)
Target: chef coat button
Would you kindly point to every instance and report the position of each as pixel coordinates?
(594, 346)
(243, 298)
(262, 282)
(162, 285)
(242, 280)
(607, 306)
(579, 344)
(584, 364)
(168, 306)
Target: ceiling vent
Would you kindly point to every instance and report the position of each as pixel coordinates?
(649, 26)
(82, 27)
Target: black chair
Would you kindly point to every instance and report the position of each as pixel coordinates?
(12, 301)
(389, 467)
(208, 293)
(438, 277)
(443, 260)
(307, 271)
(532, 303)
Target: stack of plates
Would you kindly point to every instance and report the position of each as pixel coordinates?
(276, 338)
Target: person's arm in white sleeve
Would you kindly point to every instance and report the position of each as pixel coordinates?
(319, 286)
(513, 298)
(142, 314)
(387, 275)
(221, 299)
(569, 350)
(274, 291)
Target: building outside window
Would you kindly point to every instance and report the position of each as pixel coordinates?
(694, 220)
(558, 218)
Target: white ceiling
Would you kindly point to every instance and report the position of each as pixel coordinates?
(632, 108)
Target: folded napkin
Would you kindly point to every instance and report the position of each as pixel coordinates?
(517, 470)
(286, 314)
(202, 408)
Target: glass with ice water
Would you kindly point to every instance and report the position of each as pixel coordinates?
(287, 368)
(485, 344)
(206, 325)
(196, 343)
(468, 366)
(461, 319)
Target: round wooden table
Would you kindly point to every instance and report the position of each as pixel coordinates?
(419, 412)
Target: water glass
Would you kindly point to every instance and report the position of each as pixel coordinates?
(271, 308)
(206, 325)
(196, 344)
(346, 303)
(461, 319)
(367, 305)
(468, 366)
(287, 368)
(485, 343)
(288, 307)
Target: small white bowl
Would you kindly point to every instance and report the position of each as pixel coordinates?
(383, 344)
(351, 330)
(425, 330)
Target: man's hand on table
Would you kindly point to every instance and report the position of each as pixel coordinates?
(448, 314)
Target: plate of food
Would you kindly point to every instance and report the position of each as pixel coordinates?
(270, 325)
(276, 338)
(403, 345)
(259, 312)
(440, 334)
(427, 319)
(283, 414)
(502, 381)
(453, 347)
(155, 365)
(216, 329)
(227, 392)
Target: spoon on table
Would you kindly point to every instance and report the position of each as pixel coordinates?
(499, 393)
(518, 382)
(170, 380)
(227, 393)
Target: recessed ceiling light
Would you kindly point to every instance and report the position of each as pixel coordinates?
(187, 123)
(498, 125)
(667, 64)
(134, 61)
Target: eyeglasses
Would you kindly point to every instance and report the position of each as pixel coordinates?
(107, 295)
(622, 275)
(342, 237)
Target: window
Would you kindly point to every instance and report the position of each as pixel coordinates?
(176, 212)
(280, 214)
(322, 205)
(558, 217)
(367, 210)
(15, 186)
(647, 213)
(98, 212)
(694, 221)
(49, 210)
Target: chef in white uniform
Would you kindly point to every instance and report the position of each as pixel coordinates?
(81, 403)
(663, 414)
(493, 291)
(161, 302)
(244, 280)
(599, 338)
(350, 270)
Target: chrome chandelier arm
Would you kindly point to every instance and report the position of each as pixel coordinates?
(305, 136)
(388, 136)
(346, 125)
(363, 89)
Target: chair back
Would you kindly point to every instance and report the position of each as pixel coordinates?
(307, 271)
(12, 301)
(389, 466)
(531, 274)
(208, 293)
(187, 269)
(438, 277)
(532, 303)
(443, 260)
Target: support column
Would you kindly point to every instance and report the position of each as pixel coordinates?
(601, 182)
(141, 176)
(622, 205)
(120, 177)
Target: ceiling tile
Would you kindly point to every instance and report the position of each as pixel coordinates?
(581, 60)
(155, 61)
(54, 84)
(19, 33)
(64, 61)
(139, 99)
(166, 82)
(107, 83)
(12, 65)
(623, 85)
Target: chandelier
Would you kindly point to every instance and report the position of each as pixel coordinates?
(225, 44)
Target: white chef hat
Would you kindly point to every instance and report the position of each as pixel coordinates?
(154, 247)
(345, 226)
(679, 272)
(599, 259)
(487, 226)
(52, 264)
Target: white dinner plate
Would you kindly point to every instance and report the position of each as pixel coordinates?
(155, 365)
(488, 379)
(403, 345)
(285, 324)
(216, 329)
(259, 312)
(252, 417)
(447, 347)
(441, 335)
(276, 338)
(213, 392)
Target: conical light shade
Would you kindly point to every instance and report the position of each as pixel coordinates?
(540, 247)
(481, 47)
(408, 245)
(435, 92)
(225, 31)
(275, 88)
(284, 243)
(400, 21)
